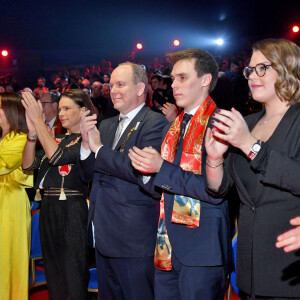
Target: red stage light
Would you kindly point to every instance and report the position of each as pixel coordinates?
(139, 46)
(176, 43)
(295, 29)
(4, 52)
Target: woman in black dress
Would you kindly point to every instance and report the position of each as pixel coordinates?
(264, 164)
(63, 216)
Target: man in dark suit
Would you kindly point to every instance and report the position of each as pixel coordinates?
(123, 214)
(193, 251)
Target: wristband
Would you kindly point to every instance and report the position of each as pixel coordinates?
(32, 140)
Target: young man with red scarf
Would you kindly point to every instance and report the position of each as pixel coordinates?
(193, 253)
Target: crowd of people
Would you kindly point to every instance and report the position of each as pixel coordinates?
(140, 163)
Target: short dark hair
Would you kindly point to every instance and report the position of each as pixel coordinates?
(80, 98)
(54, 95)
(167, 80)
(156, 76)
(205, 63)
(41, 77)
(14, 112)
(63, 77)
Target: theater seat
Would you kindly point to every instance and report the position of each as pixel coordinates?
(36, 269)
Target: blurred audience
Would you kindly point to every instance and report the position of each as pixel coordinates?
(231, 91)
(106, 90)
(40, 89)
(106, 78)
(49, 103)
(63, 84)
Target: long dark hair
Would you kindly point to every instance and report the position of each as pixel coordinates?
(14, 112)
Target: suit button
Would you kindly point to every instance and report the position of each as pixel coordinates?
(253, 208)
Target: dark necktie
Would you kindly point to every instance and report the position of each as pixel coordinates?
(186, 119)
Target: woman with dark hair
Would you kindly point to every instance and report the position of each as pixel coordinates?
(63, 216)
(264, 164)
(15, 220)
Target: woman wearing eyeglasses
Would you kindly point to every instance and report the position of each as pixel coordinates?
(263, 162)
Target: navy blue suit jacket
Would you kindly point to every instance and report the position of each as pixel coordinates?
(123, 213)
(210, 243)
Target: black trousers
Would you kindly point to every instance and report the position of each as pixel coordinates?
(63, 231)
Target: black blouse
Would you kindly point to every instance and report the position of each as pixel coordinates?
(61, 170)
(270, 197)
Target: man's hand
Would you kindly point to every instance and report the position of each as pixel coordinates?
(146, 161)
(86, 124)
(94, 139)
(290, 240)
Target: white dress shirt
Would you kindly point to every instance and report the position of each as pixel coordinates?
(84, 153)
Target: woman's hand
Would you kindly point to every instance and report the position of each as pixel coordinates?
(215, 147)
(33, 108)
(233, 129)
(31, 128)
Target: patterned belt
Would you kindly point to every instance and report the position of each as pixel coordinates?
(56, 192)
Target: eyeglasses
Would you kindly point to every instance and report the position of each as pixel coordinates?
(260, 70)
(43, 103)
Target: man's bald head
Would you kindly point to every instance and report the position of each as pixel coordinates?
(97, 89)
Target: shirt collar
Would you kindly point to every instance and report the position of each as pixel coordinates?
(51, 123)
(133, 113)
(193, 111)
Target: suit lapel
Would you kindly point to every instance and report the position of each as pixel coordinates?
(138, 118)
(109, 131)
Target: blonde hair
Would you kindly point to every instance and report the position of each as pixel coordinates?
(284, 56)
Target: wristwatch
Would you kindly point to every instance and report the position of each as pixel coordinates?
(255, 149)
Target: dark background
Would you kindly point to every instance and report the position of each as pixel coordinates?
(58, 32)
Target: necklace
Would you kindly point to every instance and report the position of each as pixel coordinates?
(266, 121)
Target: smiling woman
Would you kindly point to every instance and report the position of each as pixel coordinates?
(63, 216)
(263, 163)
(69, 113)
